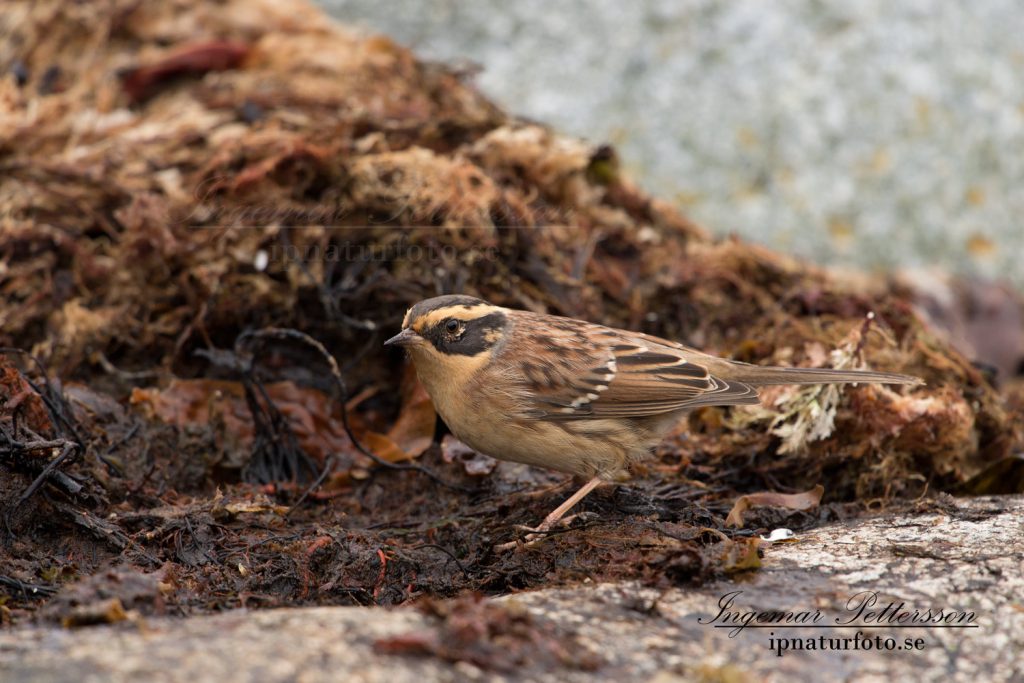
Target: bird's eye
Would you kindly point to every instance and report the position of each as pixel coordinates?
(451, 325)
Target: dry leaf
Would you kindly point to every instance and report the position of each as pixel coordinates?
(383, 447)
(413, 431)
(224, 509)
(312, 415)
(791, 501)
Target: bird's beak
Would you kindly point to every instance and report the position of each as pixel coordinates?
(403, 338)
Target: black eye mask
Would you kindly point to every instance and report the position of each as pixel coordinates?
(473, 338)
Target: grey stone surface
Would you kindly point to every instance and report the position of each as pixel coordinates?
(966, 555)
(869, 133)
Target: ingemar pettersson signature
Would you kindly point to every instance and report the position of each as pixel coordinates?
(863, 610)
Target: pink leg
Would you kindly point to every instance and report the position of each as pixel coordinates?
(555, 515)
(560, 511)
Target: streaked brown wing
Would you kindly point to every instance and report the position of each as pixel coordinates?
(589, 371)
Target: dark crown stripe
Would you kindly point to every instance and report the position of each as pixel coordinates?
(424, 307)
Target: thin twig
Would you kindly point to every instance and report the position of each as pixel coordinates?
(68, 449)
(27, 590)
(328, 464)
(47, 471)
(54, 401)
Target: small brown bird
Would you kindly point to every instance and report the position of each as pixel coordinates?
(570, 395)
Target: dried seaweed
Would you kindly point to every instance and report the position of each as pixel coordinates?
(173, 178)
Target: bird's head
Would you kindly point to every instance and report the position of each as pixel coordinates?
(455, 332)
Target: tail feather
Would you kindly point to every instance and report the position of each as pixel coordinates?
(758, 375)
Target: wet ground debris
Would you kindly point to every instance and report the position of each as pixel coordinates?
(492, 636)
(323, 182)
(276, 450)
(790, 501)
(29, 406)
(276, 454)
(110, 596)
(25, 590)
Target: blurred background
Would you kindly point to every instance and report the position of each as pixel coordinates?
(870, 134)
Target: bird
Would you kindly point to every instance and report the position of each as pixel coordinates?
(571, 395)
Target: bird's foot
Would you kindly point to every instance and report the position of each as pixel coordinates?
(539, 532)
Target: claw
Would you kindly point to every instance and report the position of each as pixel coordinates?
(538, 533)
(556, 517)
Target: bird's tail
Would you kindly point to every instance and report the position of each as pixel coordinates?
(759, 375)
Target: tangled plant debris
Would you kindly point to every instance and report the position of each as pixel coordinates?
(491, 636)
(208, 171)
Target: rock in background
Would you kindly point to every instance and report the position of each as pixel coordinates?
(867, 133)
